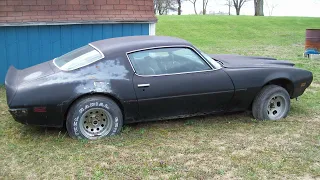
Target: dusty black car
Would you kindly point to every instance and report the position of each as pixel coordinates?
(93, 90)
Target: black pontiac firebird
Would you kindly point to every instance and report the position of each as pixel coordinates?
(93, 90)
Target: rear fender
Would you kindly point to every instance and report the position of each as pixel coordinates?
(89, 94)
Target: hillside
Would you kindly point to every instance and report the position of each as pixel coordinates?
(283, 37)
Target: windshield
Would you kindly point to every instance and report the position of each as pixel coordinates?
(77, 58)
(213, 62)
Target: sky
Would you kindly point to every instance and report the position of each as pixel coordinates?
(308, 8)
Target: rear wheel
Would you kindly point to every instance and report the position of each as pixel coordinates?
(272, 103)
(94, 117)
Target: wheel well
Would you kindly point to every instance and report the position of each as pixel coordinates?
(285, 83)
(116, 100)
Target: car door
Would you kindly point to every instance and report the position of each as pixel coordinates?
(177, 81)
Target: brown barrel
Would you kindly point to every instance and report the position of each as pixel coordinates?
(313, 39)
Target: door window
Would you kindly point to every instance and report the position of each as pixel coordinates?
(167, 61)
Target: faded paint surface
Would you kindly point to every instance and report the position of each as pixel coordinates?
(171, 96)
(100, 71)
(26, 46)
(57, 89)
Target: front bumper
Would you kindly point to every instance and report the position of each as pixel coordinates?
(300, 87)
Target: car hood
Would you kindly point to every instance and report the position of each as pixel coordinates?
(236, 61)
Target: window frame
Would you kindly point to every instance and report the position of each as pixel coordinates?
(95, 48)
(212, 68)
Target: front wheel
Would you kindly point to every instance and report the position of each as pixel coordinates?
(272, 103)
(93, 118)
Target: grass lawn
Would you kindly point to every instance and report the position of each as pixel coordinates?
(223, 147)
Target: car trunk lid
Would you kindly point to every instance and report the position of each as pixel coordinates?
(16, 77)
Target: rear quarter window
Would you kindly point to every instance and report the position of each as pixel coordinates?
(77, 58)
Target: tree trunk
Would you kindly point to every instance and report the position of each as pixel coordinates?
(255, 7)
(203, 8)
(261, 8)
(229, 10)
(238, 11)
(179, 7)
(195, 9)
(258, 8)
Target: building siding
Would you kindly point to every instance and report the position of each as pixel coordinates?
(26, 11)
(25, 46)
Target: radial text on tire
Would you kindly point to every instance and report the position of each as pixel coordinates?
(94, 117)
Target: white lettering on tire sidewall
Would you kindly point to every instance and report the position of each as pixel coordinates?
(84, 108)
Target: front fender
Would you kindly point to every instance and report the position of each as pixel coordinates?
(249, 81)
(275, 76)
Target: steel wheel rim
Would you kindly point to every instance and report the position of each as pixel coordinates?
(95, 123)
(276, 107)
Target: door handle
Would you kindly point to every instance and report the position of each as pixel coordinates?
(143, 85)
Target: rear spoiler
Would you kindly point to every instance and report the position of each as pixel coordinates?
(11, 83)
(11, 76)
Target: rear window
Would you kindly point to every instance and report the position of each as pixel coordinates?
(78, 58)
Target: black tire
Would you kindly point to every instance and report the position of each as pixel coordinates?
(94, 117)
(270, 101)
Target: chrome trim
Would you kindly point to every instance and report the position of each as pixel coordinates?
(84, 64)
(131, 63)
(186, 95)
(172, 46)
(97, 50)
(53, 61)
(143, 85)
(176, 73)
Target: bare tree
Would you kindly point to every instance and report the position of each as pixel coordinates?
(204, 6)
(271, 6)
(229, 3)
(238, 5)
(194, 5)
(164, 6)
(258, 7)
(179, 2)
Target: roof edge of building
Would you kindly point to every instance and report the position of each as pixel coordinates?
(44, 23)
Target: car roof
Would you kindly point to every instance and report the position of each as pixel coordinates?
(131, 43)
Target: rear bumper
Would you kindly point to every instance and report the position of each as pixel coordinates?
(32, 116)
(20, 115)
